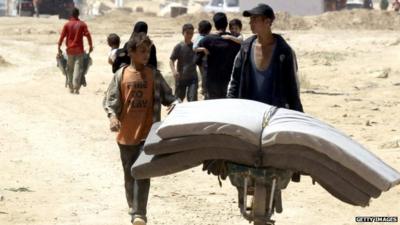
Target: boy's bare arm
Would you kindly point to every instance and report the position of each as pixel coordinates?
(166, 96)
(173, 69)
(115, 124)
(232, 38)
(61, 39)
(202, 49)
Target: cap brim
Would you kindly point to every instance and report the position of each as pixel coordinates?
(252, 12)
(246, 13)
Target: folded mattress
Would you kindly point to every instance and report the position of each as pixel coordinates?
(148, 166)
(263, 125)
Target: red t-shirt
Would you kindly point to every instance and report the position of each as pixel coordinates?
(74, 30)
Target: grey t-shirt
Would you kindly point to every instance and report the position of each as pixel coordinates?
(186, 60)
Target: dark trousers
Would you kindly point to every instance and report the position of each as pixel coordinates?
(215, 90)
(186, 88)
(137, 191)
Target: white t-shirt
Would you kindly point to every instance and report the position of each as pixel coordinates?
(113, 54)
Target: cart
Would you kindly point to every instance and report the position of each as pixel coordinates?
(259, 191)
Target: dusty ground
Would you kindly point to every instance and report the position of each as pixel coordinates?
(60, 164)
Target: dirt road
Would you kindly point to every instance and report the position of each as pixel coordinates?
(60, 164)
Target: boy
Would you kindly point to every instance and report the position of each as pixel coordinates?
(204, 29)
(74, 31)
(113, 41)
(265, 70)
(220, 60)
(133, 103)
(235, 27)
(186, 81)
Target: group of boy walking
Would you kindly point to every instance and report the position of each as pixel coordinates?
(262, 68)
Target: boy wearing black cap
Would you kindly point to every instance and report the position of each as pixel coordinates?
(265, 69)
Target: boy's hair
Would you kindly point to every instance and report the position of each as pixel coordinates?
(140, 27)
(186, 27)
(113, 40)
(137, 40)
(204, 27)
(220, 21)
(235, 22)
(75, 13)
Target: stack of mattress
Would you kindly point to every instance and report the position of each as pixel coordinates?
(242, 130)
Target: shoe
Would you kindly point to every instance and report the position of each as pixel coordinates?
(77, 92)
(71, 90)
(139, 221)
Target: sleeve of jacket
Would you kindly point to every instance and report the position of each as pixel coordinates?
(112, 100)
(166, 96)
(292, 81)
(153, 56)
(234, 83)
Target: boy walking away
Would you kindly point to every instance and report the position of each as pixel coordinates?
(74, 30)
(133, 103)
(113, 41)
(220, 60)
(204, 29)
(235, 27)
(186, 81)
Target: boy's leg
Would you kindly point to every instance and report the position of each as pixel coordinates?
(180, 89)
(140, 197)
(70, 70)
(128, 154)
(212, 90)
(77, 74)
(140, 194)
(192, 90)
(137, 191)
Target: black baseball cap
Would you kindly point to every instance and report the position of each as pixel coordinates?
(260, 10)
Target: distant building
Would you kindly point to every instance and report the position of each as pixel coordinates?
(293, 7)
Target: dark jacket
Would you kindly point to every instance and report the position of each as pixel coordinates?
(221, 58)
(219, 63)
(123, 58)
(285, 87)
